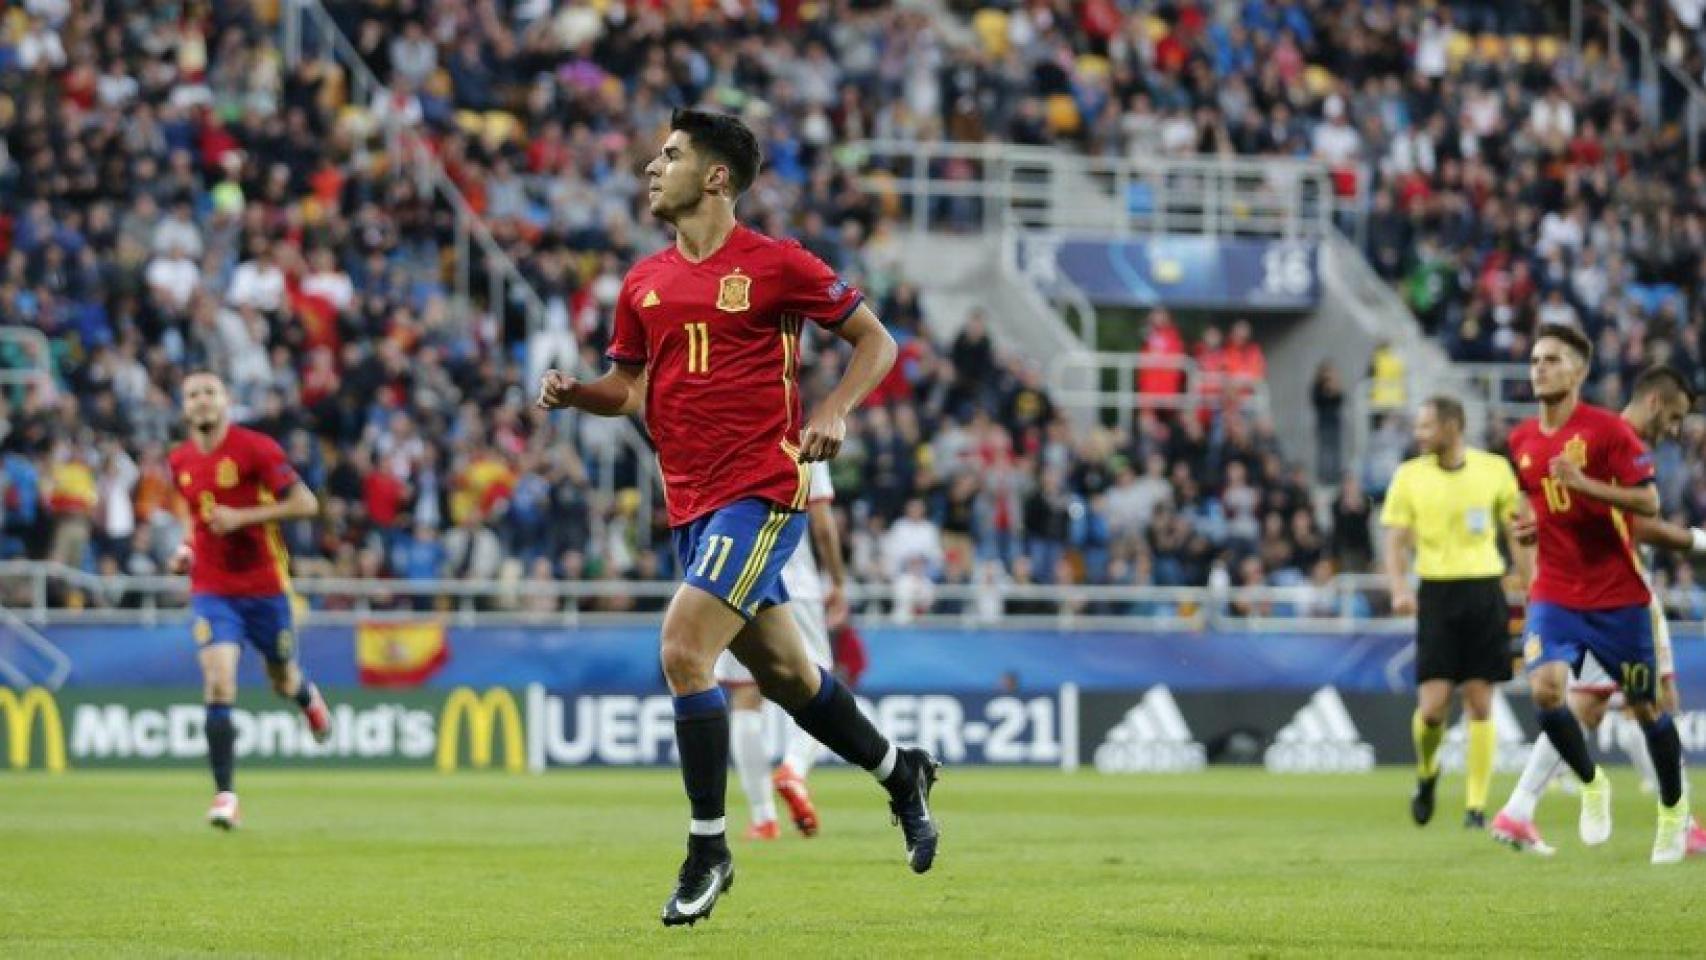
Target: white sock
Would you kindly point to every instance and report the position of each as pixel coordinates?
(1632, 740)
(885, 768)
(1543, 764)
(746, 746)
(802, 751)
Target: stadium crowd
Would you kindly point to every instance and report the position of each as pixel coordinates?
(178, 196)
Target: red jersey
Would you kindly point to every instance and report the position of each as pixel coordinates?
(248, 468)
(1587, 558)
(720, 341)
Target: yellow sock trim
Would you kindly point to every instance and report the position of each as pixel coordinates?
(1427, 740)
(1482, 747)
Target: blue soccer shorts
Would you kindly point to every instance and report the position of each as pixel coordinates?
(1619, 639)
(266, 623)
(736, 553)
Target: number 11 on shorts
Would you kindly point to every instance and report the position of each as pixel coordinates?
(717, 546)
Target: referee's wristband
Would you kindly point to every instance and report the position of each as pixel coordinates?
(1699, 537)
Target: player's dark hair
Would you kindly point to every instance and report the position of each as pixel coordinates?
(1448, 409)
(1571, 337)
(1667, 379)
(725, 139)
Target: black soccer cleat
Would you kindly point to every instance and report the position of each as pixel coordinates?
(705, 876)
(910, 807)
(1474, 820)
(1422, 801)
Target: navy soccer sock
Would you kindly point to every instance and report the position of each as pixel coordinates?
(833, 718)
(1566, 736)
(702, 736)
(1665, 745)
(221, 745)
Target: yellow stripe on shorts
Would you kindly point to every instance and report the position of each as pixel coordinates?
(760, 556)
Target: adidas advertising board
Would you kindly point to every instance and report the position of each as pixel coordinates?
(1321, 738)
(1152, 737)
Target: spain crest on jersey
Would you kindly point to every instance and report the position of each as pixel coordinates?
(1576, 451)
(225, 475)
(734, 293)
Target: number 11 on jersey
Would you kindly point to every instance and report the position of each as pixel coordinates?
(698, 347)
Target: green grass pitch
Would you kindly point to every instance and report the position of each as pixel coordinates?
(1234, 862)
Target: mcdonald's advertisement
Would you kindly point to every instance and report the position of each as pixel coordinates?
(474, 728)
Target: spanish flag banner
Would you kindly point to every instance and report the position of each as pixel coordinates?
(400, 654)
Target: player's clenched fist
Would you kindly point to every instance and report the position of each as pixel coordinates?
(557, 390)
(821, 439)
(1566, 471)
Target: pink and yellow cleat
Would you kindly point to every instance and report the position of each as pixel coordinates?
(1520, 835)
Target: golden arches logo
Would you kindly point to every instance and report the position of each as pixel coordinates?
(21, 713)
(483, 714)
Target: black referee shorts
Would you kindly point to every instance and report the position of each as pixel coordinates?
(1462, 631)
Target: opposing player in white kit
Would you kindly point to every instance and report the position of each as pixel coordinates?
(1657, 407)
(814, 609)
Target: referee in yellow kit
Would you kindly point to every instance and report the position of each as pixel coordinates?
(1448, 506)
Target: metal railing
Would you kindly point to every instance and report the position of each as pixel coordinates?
(1619, 22)
(305, 24)
(407, 152)
(981, 187)
(1108, 383)
(1349, 604)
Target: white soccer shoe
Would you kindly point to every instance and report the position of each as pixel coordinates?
(223, 813)
(1596, 809)
(1670, 842)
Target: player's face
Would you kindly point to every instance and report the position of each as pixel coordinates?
(1667, 420)
(1554, 370)
(677, 177)
(204, 402)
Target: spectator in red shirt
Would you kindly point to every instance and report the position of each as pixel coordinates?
(1244, 358)
(1161, 374)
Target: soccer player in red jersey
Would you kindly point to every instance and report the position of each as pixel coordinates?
(238, 486)
(1586, 473)
(1659, 402)
(707, 340)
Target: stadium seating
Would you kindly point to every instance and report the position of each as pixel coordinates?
(177, 196)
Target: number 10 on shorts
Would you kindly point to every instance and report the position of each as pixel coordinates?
(1637, 678)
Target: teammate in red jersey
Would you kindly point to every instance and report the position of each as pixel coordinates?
(707, 339)
(1585, 473)
(238, 485)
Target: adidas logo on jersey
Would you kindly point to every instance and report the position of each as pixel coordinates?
(1513, 744)
(1321, 738)
(1151, 738)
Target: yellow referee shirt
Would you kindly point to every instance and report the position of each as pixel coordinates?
(1455, 515)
